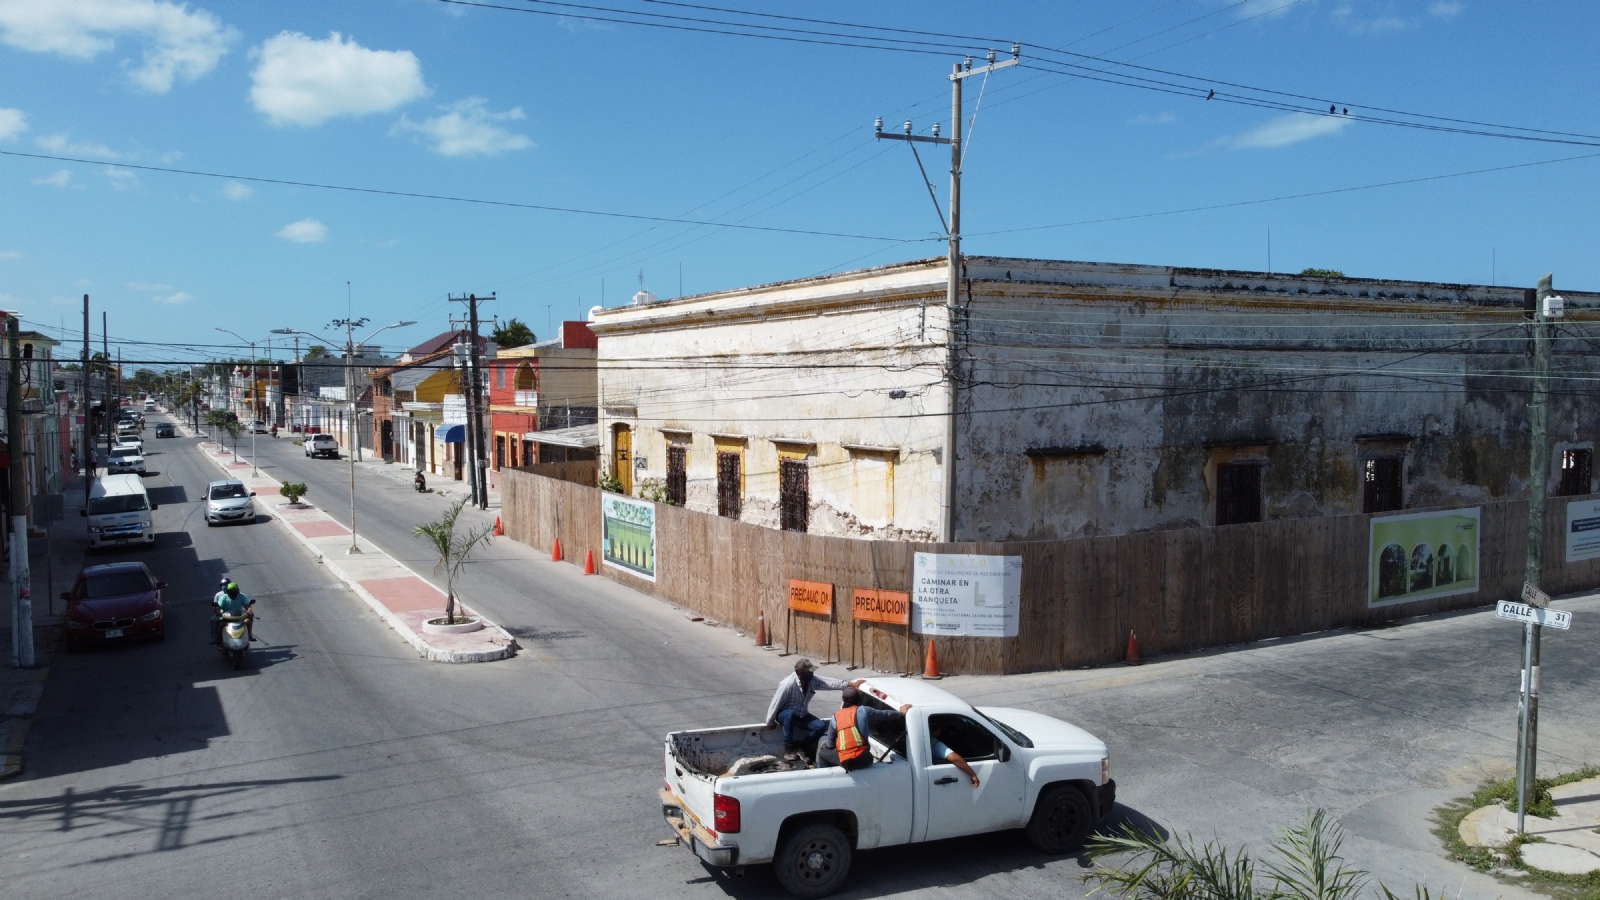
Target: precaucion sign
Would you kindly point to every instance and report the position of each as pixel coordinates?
(957, 595)
(812, 597)
(1522, 612)
(888, 607)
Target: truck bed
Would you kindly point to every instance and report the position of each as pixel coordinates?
(714, 752)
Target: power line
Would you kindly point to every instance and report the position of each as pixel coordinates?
(416, 195)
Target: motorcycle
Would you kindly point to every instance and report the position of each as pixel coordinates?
(420, 483)
(235, 639)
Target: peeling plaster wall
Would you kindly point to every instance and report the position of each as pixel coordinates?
(1174, 372)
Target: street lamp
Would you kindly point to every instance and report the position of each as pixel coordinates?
(350, 396)
(255, 398)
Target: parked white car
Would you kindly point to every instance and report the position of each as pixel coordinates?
(734, 800)
(125, 459)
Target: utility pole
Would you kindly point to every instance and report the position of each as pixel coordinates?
(1546, 305)
(350, 397)
(21, 599)
(86, 433)
(105, 402)
(475, 437)
(960, 72)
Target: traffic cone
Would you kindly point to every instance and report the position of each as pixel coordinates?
(1133, 649)
(930, 669)
(555, 555)
(498, 531)
(761, 628)
(588, 563)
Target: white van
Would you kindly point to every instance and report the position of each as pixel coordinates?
(119, 512)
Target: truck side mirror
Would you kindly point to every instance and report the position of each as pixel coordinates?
(83, 512)
(66, 595)
(1004, 752)
(154, 507)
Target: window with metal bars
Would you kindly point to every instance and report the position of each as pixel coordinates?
(728, 478)
(1576, 468)
(1238, 493)
(794, 493)
(677, 474)
(1382, 485)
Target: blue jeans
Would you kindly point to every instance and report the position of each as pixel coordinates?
(793, 721)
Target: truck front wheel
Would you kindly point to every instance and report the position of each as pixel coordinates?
(1061, 820)
(813, 860)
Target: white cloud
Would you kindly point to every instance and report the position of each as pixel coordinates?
(10, 254)
(146, 286)
(60, 178)
(1158, 119)
(178, 42)
(1283, 131)
(121, 179)
(467, 128)
(12, 123)
(1445, 10)
(235, 190)
(171, 156)
(58, 143)
(302, 81)
(305, 231)
(176, 299)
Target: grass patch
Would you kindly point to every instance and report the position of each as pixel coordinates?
(1447, 827)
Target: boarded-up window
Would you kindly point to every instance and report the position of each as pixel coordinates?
(1382, 488)
(728, 481)
(499, 451)
(794, 487)
(1238, 493)
(1575, 471)
(677, 474)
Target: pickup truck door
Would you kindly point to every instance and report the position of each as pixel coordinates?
(954, 807)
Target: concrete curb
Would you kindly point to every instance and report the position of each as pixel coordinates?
(428, 651)
(14, 729)
(11, 762)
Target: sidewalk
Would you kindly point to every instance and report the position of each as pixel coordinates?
(439, 484)
(54, 565)
(399, 595)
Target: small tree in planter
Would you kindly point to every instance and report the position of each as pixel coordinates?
(293, 491)
(233, 428)
(452, 549)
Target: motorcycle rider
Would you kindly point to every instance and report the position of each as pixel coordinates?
(420, 482)
(230, 601)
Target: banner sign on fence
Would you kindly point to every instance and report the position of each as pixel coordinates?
(1422, 556)
(811, 597)
(1583, 530)
(628, 534)
(888, 607)
(958, 595)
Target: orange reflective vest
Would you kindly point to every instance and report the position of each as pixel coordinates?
(849, 742)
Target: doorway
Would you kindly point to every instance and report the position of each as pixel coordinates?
(622, 456)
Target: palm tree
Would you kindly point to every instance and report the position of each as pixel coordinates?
(1308, 867)
(452, 549)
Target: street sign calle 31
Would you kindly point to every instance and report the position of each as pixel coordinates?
(1522, 612)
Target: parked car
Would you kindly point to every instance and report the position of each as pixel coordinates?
(115, 602)
(165, 430)
(733, 799)
(131, 440)
(258, 426)
(322, 445)
(229, 501)
(125, 459)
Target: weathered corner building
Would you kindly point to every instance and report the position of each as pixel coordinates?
(1088, 399)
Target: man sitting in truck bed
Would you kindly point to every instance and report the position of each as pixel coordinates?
(846, 743)
(791, 704)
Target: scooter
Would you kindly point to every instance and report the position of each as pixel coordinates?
(420, 483)
(235, 639)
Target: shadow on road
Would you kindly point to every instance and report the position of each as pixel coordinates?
(936, 864)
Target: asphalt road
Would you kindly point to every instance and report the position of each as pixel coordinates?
(340, 765)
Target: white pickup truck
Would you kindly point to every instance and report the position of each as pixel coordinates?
(734, 800)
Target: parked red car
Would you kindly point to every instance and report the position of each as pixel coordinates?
(113, 603)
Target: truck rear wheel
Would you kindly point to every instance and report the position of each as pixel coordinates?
(813, 860)
(1061, 820)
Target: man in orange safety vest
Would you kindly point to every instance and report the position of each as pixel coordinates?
(845, 743)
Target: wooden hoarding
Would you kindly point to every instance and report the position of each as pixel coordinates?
(888, 607)
(812, 597)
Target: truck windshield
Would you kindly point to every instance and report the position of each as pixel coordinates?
(1016, 736)
(121, 503)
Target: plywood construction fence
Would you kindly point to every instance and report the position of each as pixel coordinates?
(1180, 590)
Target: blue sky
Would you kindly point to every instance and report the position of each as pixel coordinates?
(423, 96)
